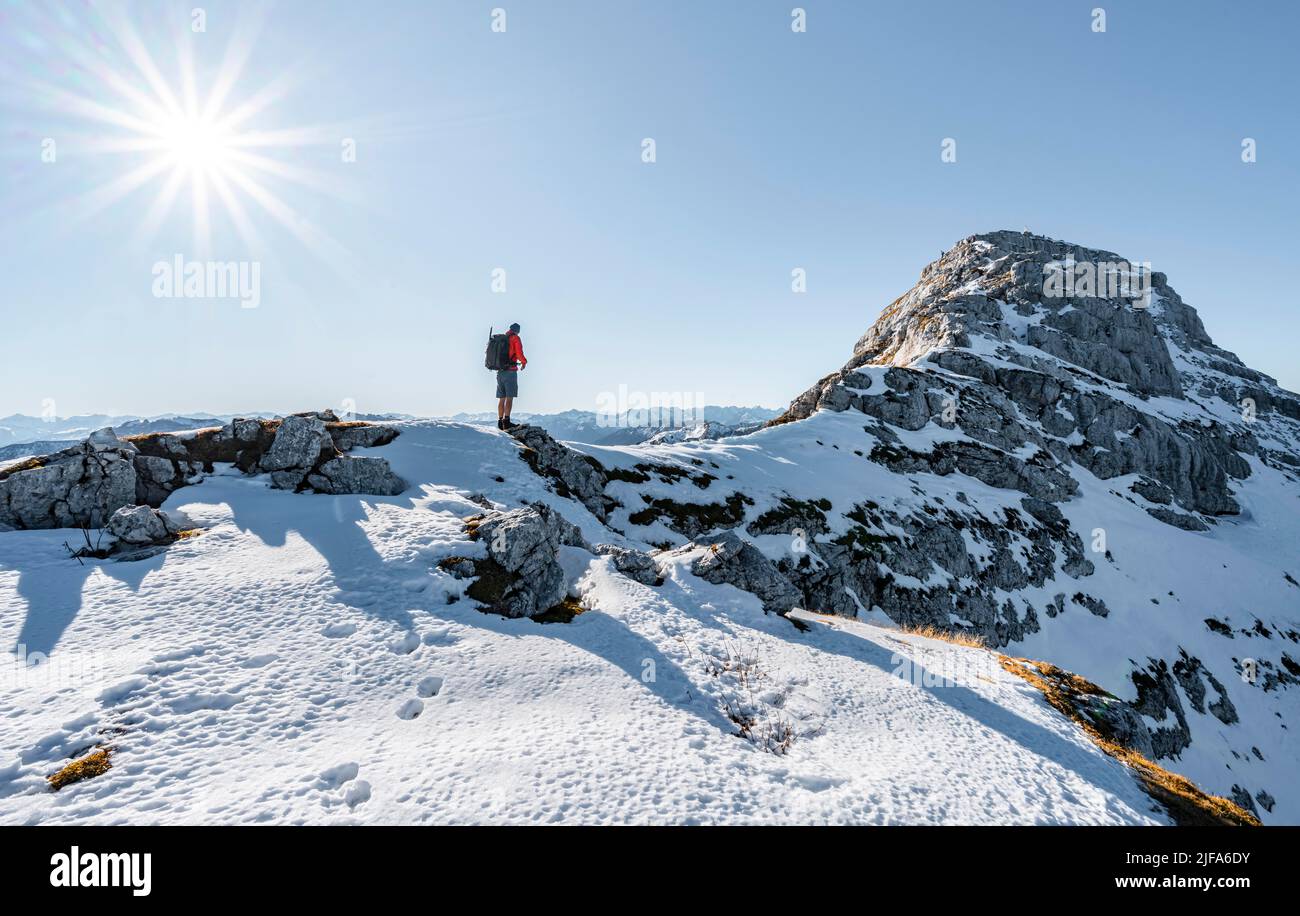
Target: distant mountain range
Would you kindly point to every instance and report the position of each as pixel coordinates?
(592, 428)
(19, 428)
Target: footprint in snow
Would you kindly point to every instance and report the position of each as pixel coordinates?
(119, 692)
(439, 636)
(180, 654)
(343, 776)
(406, 645)
(358, 793)
(410, 709)
(339, 630)
(429, 687)
(258, 661)
(336, 776)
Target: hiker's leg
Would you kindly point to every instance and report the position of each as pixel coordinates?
(501, 407)
(509, 402)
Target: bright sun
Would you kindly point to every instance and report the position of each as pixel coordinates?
(197, 143)
(191, 139)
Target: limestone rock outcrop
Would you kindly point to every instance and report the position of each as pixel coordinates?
(80, 486)
(729, 559)
(573, 473)
(984, 345)
(83, 485)
(521, 575)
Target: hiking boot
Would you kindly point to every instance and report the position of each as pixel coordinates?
(508, 423)
(501, 422)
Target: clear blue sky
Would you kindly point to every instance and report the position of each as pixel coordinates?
(522, 150)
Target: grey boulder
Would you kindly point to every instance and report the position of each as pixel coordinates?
(300, 442)
(522, 576)
(141, 526)
(731, 560)
(632, 563)
(78, 486)
(348, 436)
(347, 474)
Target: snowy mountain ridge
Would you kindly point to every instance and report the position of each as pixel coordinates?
(715, 622)
(308, 659)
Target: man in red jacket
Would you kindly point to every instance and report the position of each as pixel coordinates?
(508, 379)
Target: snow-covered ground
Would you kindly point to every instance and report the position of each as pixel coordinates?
(299, 661)
(1159, 583)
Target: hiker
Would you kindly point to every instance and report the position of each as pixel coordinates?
(506, 355)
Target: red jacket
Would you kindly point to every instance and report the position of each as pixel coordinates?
(517, 358)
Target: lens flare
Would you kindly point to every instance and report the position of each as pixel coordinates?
(174, 131)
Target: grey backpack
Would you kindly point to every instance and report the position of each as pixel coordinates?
(498, 352)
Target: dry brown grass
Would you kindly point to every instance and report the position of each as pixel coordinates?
(885, 356)
(1186, 803)
(27, 464)
(969, 640)
(137, 438)
(188, 533)
(891, 309)
(93, 764)
(564, 612)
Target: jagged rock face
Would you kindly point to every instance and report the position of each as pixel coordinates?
(1023, 549)
(1034, 385)
(299, 443)
(521, 575)
(1115, 384)
(963, 295)
(156, 477)
(300, 452)
(1002, 434)
(348, 436)
(574, 474)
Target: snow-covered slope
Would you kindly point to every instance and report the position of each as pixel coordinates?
(1159, 586)
(299, 661)
(1073, 478)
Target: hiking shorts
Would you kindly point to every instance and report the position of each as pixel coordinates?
(507, 383)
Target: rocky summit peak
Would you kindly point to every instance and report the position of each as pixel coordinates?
(1020, 340)
(1044, 304)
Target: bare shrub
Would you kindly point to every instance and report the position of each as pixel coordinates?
(752, 701)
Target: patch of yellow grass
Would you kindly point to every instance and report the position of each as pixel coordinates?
(147, 437)
(969, 640)
(188, 533)
(564, 612)
(93, 764)
(27, 464)
(1186, 802)
(885, 355)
